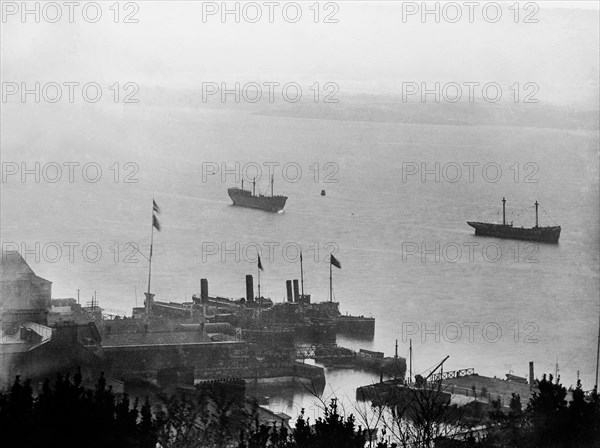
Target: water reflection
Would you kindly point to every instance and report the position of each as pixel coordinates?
(291, 398)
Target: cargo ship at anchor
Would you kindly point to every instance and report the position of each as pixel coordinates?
(549, 234)
(245, 198)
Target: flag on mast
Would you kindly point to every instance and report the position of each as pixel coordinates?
(155, 210)
(155, 225)
(260, 264)
(334, 261)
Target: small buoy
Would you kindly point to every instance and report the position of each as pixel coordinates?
(322, 192)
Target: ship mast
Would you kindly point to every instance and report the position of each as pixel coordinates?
(301, 276)
(330, 281)
(536, 213)
(253, 186)
(242, 183)
(503, 211)
(271, 185)
(396, 360)
(410, 362)
(258, 269)
(597, 354)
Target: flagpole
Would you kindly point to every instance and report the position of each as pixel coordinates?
(597, 357)
(330, 281)
(259, 304)
(150, 259)
(301, 275)
(148, 299)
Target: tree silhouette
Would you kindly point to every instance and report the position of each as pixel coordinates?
(332, 430)
(68, 415)
(549, 420)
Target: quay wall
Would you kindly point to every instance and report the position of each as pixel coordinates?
(144, 361)
(215, 360)
(294, 369)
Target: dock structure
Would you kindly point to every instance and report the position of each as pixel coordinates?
(452, 374)
(460, 389)
(487, 389)
(163, 342)
(457, 386)
(217, 337)
(335, 356)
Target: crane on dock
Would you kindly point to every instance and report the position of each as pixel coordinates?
(421, 382)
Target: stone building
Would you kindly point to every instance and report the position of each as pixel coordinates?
(21, 290)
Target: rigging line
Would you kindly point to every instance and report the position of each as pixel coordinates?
(427, 369)
(576, 355)
(548, 214)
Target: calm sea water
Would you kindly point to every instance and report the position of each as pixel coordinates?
(542, 298)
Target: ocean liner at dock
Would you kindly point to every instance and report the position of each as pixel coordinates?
(549, 234)
(308, 321)
(250, 199)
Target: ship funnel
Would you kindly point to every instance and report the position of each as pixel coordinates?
(249, 288)
(288, 285)
(296, 291)
(531, 376)
(204, 290)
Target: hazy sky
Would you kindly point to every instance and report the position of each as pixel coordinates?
(370, 49)
(589, 4)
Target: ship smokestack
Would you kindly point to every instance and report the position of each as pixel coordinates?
(288, 286)
(204, 290)
(296, 291)
(531, 377)
(249, 288)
